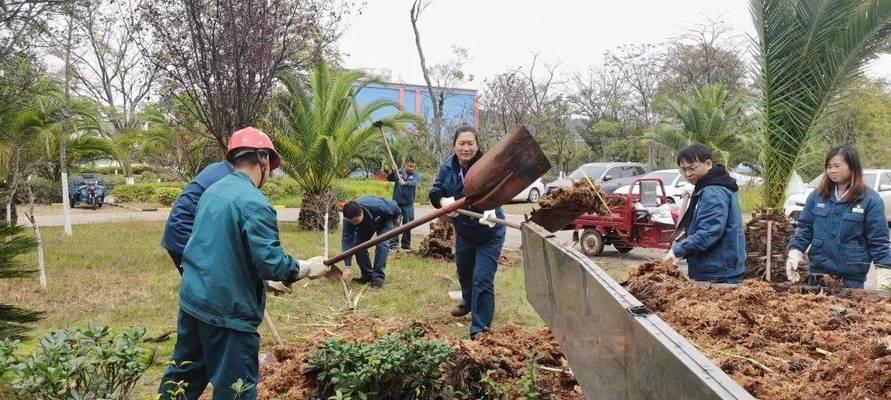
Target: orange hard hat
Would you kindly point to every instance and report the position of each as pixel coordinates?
(252, 138)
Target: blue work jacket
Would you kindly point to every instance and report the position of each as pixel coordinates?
(844, 238)
(182, 214)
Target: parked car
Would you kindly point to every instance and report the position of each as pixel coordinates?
(532, 193)
(876, 179)
(88, 188)
(609, 175)
(675, 184)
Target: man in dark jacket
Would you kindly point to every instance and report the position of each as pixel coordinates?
(404, 191)
(362, 219)
(182, 214)
(714, 243)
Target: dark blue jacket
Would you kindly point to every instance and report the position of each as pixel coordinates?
(235, 247)
(182, 214)
(404, 195)
(449, 184)
(378, 211)
(844, 237)
(715, 243)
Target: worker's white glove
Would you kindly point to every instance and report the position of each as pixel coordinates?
(445, 201)
(670, 257)
(277, 288)
(792, 261)
(883, 278)
(485, 219)
(313, 268)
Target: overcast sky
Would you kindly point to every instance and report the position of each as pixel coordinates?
(500, 34)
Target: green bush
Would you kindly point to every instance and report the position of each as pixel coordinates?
(144, 192)
(114, 180)
(45, 191)
(166, 195)
(351, 189)
(82, 363)
(397, 366)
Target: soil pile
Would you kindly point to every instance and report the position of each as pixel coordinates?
(782, 232)
(502, 355)
(779, 341)
(563, 205)
(440, 242)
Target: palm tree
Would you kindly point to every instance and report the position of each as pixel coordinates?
(807, 52)
(13, 320)
(320, 129)
(705, 117)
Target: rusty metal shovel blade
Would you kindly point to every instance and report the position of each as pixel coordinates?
(554, 220)
(503, 172)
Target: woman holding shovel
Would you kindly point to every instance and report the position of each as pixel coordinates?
(843, 223)
(478, 242)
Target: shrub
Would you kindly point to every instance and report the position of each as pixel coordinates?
(83, 363)
(271, 190)
(166, 195)
(397, 366)
(45, 191)
(143, 192)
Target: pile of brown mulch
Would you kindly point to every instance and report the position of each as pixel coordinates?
(440, 242)
(779, 341)
(503, 355)
(563, 205)
(782, 231)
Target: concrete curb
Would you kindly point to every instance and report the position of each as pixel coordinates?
(136, 208)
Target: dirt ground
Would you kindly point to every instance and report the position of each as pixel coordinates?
(505, 351)
(779, 341)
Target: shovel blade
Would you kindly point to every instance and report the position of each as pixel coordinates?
(503, 172)
(554, 220)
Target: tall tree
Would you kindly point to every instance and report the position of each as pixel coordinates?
(807, 52)
(221, 57)
(704, 116)
(706, 54)
(320, 129)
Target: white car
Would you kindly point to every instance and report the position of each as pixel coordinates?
(876, 179)
(675, 184)
(532, 193)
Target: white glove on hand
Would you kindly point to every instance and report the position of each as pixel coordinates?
(485, 219)
(792, 261)
(313, 268)
(277, 288)
(670, 257)
(883, 278)
(445, 201)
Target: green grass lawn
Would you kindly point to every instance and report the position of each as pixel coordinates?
(118, 275)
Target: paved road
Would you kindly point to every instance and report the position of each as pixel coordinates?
(52, 216)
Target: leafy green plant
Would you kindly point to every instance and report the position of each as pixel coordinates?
(145, 192)
(166, 195)
(81, 363)
(397, 366)
(521, 389)
(13, 320)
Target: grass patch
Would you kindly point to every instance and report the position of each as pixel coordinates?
(118, 275)
(749, 198)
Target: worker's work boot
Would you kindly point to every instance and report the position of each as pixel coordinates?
(460, 310)
(377, 284)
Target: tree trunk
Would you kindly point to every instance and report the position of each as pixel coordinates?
(37, 238)
(312, 211)
(63, 139)
(756, 244)
(434, 100)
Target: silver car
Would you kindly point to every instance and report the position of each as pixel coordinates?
(609, 175)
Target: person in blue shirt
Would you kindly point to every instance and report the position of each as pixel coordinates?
(233, 250)
(182, 214)
(404, 190)
(842, 227)
(362, 219)
(714, 242)
(478, 243)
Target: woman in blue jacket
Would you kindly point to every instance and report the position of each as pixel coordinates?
(478, 244)
(843, 223)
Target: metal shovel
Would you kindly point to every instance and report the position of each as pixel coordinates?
(513, 164)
